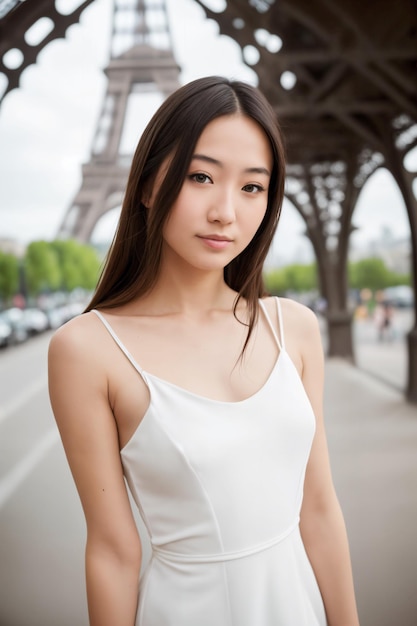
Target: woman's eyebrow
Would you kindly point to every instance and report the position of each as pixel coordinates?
(248, 170)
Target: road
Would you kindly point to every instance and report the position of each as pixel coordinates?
(41, 526)
(373, 450)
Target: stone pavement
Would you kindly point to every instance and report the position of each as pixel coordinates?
(372, 433)
(387, 358)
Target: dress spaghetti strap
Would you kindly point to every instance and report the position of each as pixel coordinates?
(280, 343)
(120, 344)
(280, 322)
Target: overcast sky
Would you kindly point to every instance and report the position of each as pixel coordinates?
(47, 126)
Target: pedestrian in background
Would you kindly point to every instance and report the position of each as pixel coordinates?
(384, 314)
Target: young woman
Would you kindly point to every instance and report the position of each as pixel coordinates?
(203, 393)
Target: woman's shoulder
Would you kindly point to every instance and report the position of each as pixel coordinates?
(294, 314)
(76, 336)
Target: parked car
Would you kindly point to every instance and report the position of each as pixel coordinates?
(55, 317)
(14, 318)
(35, 321)
(5, 332)
(400, 296)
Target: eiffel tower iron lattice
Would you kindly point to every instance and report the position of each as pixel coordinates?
(141, 63)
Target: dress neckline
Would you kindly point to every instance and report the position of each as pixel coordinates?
(147, 376)
(158, 380)
(231, 404)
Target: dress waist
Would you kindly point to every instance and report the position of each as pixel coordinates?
(178, 557)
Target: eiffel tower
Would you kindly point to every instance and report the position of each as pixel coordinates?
(142, 67)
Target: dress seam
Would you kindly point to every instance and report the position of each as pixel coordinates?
(215, 520)
(233, 555)
(194, 472)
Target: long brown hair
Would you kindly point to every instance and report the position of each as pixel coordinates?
(132, 265)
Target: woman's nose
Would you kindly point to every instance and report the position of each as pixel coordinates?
(223, 208)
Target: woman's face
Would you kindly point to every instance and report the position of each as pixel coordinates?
(223, 198)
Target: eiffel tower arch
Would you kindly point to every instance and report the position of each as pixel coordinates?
(141, 63)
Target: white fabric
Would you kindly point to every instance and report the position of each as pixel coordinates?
(219, 486)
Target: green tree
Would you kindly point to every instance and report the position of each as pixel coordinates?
(90, 265)
(301, 277)
(9, 276)
(293, 277)
(79, 264)
(369, 273)
(41, 268)
(276, 281)
(399, 279)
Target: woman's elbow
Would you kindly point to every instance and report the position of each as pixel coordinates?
(126, 551)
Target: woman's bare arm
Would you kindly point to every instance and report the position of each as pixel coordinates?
(322, 524)
(78, 389)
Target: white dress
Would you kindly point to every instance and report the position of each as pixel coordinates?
(219, 487)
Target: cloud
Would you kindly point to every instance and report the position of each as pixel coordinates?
(380, 205)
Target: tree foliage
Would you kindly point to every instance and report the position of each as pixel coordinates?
(369, 273)
(79, 264)
(9, 276)
(373, 274)
(60, 265)
(42, 270)
(296, 277)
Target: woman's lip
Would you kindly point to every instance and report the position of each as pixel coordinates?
(215, 237)
(216, 242)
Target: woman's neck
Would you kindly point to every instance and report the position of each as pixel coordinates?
(193, 293)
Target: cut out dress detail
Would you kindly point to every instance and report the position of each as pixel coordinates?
(219, 487)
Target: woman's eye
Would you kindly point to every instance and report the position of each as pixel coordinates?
(252, 188)
(201, 178)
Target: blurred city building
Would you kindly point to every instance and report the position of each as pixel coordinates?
(11, 246)
(395, 252)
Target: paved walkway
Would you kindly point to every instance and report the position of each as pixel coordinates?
(372, 434)
(386, 358)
